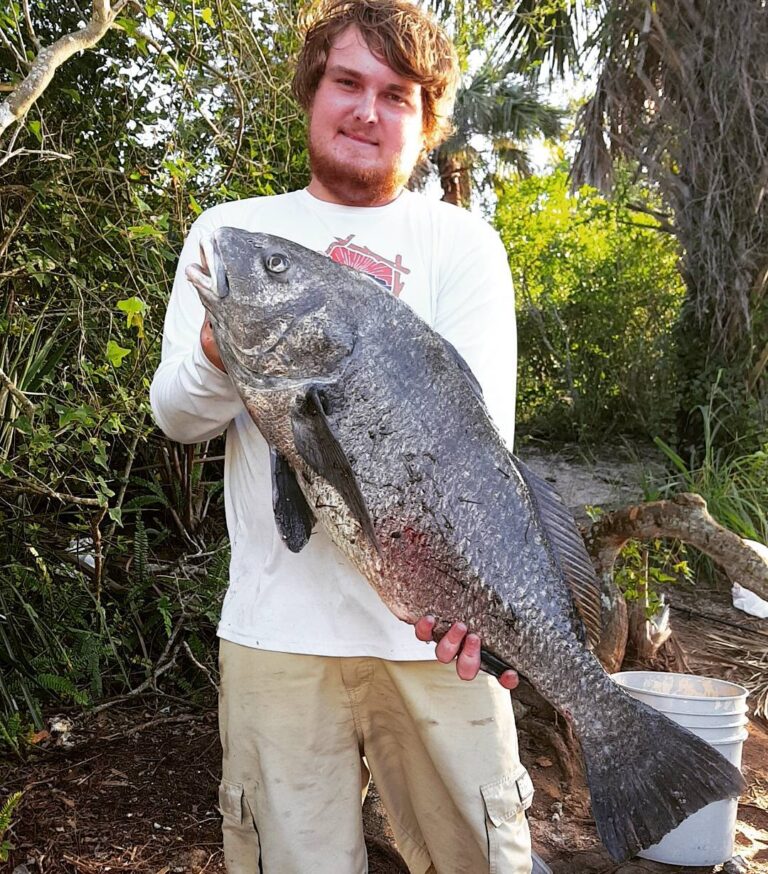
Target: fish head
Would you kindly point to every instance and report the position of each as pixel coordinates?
(276, 312)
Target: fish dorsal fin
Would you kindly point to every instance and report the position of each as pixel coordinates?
(292, 513)
(318, 445)
(465, 369)
(569, 549)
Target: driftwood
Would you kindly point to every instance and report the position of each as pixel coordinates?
(684, 518)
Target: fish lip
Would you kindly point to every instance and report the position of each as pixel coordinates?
(212, 285)
(202, 281)
(220, 274)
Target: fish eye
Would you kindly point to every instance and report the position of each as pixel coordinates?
(277, 262)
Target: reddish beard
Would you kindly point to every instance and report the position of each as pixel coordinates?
(357, 185)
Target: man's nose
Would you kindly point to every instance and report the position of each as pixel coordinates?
(365, 110)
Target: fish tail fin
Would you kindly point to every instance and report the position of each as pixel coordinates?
(646, 774)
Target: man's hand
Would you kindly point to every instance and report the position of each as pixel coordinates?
(210, 347)
(465, 648)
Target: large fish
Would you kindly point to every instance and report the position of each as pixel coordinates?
(379, 432)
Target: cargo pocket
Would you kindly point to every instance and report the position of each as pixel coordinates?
(509, 841)
(242, 851)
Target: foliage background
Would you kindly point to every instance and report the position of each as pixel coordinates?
(112, 558)
(598, 293)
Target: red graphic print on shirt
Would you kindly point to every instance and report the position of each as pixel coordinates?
(388, 273)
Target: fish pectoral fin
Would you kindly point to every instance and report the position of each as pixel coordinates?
(318, 445)
(568, 545)
(293, 515)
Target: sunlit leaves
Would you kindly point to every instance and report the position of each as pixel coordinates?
(598, 291)
(116, 353)
(134, 308)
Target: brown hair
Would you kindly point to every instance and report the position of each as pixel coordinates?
(406, 38)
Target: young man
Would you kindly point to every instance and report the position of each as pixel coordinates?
(315, 672)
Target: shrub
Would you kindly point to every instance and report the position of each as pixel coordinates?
(597, 291)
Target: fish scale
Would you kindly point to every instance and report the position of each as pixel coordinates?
(379, 434)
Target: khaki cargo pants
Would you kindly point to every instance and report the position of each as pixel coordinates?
(442, 752)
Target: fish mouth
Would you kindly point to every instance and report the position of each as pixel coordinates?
(209, 276)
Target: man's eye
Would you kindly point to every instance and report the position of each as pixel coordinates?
(276, 262)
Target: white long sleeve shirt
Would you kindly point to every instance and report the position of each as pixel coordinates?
(447, 265)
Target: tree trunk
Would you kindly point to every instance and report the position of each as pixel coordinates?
(684, 92)
(455, 181)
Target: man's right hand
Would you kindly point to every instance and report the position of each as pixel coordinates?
(210, 347)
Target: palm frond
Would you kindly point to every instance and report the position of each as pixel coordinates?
(539, 35)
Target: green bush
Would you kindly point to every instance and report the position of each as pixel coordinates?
(112, 561)
(597, 291)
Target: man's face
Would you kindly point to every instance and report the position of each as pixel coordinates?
(365, 127)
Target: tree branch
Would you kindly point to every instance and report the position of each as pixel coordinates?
(20, 59)
(15, 107)
(43, 154)
(44, 491)
(30, 27)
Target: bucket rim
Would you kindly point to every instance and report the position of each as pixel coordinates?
(739, 691)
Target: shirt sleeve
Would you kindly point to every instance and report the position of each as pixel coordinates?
(476, 313)
(191, 399)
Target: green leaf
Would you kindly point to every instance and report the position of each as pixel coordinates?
(129, 25)
(116, 353)
(36, 129)
(171, 19)
(207, 16)
(73, 94)
(134, 309)
(144, 231)
(83, 415)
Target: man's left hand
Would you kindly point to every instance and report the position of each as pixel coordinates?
(465, 648)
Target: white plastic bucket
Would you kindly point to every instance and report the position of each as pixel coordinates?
(715, 710)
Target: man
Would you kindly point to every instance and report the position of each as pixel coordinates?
(315, 672)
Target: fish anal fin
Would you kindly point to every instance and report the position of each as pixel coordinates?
(317, 443)
(569, 549)
(293, 516)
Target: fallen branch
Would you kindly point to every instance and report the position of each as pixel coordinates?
(166, 661)
(685, 518)
(202, 667)
(162, 720)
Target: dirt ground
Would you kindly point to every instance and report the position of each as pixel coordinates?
(137, 792)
